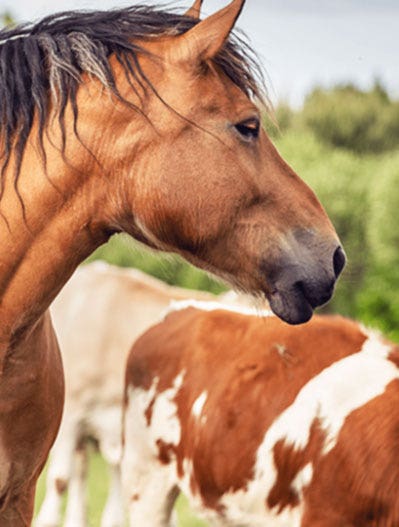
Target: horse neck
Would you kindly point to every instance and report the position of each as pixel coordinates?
(60, 226)
(73, 202)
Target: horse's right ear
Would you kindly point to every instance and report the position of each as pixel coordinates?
(195, 9)
(205, 39)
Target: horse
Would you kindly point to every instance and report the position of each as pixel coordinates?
(138, 120)
(261, 423)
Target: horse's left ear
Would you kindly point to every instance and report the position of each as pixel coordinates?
(205, 39)
(195, 9)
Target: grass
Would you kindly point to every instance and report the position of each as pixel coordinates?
(97, 493)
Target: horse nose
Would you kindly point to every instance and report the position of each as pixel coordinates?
(339, 260)
(307, 278)
(316, 292)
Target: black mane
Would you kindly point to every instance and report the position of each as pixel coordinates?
(48, 57)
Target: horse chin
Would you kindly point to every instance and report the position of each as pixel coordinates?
(291, 307)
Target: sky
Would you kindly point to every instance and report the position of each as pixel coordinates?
(302, 43)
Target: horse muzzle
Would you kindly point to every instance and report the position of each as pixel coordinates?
(305, 281)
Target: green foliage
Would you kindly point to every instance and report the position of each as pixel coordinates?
(346, 117)
(379, 298)
(278, 120)
(378, 302)
(123, 251)
(383, 216)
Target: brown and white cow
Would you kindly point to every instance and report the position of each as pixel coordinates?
(97, 316)
(262, 424)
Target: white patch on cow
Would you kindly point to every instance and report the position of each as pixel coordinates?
(330, 397)
(165, 424)
(335, 393)
(302, 479)
(147, 483)
(178, 305)
(143, 398)
(248, 507)
(199, 404)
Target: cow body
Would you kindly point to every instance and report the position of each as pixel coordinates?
(259, 423)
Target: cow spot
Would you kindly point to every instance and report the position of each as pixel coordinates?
(61, 485)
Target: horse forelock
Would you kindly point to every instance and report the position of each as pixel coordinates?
(49, 57)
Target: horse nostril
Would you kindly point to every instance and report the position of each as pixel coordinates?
(339, 260)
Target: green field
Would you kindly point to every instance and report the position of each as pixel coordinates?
(97, 493)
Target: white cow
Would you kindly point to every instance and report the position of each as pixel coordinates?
(97, 316)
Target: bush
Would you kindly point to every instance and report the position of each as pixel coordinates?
(378, 301)
(383, 216)
(124, 251)
(278, 120)
(347, 117)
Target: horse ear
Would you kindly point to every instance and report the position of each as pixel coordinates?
(195, 9)
(206, 38)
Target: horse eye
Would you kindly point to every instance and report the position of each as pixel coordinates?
(248, 129)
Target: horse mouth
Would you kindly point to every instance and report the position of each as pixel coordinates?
(295, 305)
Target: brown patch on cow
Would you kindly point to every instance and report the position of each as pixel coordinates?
(61, 485)
(148, 411)
(166, 451)
(357, 481)
(288, 462)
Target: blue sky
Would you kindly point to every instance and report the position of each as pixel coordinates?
(301, 42)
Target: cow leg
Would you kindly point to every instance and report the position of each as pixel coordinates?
(76, 511)
(58, 474)
(149, 486)
(106, 426)
(113, 515)
(151, 499)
